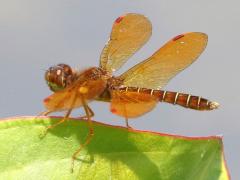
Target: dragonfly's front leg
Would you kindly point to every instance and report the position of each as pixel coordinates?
(63, 119)
(57, 123)
(44, 113)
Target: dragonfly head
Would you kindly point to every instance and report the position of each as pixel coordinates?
(59, 77)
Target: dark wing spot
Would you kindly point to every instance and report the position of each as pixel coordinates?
(119, 19)
(178, 37)
(46, 100)
(113, 110)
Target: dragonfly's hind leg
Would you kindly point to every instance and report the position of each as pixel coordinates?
(88, 112)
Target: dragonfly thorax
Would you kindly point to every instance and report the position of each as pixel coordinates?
(92, 73)
(115, 82)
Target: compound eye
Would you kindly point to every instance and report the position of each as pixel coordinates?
(47, 75)
(59, 77)
(67, 70)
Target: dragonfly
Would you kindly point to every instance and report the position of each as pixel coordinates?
(135, 92)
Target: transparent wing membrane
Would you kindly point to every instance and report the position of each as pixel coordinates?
(169, 60)
(131, 104)
(129, 33)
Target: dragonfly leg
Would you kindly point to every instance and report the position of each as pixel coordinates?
(57, 123)
(88, 112)
(91, 114)
(127, 124)
(63, 119)
(44, 113)
(126, 117)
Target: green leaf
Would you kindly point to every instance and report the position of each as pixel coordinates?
(114, 153)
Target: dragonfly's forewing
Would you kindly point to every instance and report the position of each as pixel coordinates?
(71, 97)
(173, 57)
(62, 100)
(129, 33)
(131, 104)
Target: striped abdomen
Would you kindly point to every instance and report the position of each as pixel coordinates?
(185, 100)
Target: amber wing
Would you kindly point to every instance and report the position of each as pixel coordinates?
(173, 57)
(131, 104)
(129, 33)
(69, 98)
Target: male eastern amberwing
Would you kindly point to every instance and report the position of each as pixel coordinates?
(136, 91)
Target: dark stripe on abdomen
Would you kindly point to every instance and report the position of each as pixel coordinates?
(187, 100)
(182, 99)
